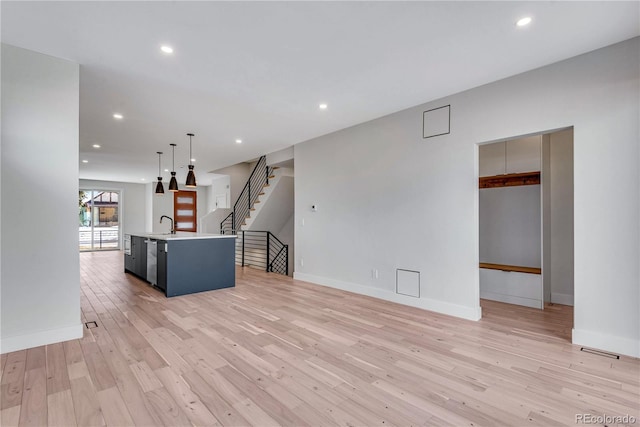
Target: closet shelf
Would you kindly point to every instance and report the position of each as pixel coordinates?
(515, 268)
(510, 180)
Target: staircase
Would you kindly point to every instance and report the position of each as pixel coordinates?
(256, 248)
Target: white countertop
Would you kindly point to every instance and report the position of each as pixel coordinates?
(183, 235)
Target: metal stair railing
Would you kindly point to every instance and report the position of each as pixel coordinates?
(226, 226)
(262, 249)
(254, 187)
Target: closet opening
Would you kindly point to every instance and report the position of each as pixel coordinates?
(525, 204)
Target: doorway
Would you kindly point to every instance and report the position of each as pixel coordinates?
(526, 229)
(185, 210)
(99, 220)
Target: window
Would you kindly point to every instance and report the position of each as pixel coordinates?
(98, 219)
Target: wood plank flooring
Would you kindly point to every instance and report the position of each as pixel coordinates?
(276, 351)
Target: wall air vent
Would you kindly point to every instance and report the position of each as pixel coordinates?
(408, 282)
(436, 122)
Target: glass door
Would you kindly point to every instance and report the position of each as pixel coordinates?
(99, 219)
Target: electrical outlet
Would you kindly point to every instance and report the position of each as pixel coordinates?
(374, 273)
(302, 222)
(301, 262)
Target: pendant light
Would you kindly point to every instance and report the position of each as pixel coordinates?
(191, 176)
(173, 183)
(159, 186)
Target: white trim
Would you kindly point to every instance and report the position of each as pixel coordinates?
(564, 299)
(469, 313)
(606, 342)
(511, 299)
(36, 339)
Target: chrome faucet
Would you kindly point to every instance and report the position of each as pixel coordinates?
(173, 230)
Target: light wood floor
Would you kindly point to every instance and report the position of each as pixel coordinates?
(275, 351)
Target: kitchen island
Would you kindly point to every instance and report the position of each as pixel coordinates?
(182, 263)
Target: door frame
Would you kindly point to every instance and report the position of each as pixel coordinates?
(120, 192)
(176, 207)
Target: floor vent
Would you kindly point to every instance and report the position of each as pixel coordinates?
(91, 325)
(599, 353)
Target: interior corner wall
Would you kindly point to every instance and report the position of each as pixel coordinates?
(40, 262)
(561, 243)
(280, 156)
(545, 176)
(394, 200)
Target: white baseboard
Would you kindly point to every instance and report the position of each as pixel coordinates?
(606, 342)
(511, 299)
(563, 299)
(36, 339)
(469, 313)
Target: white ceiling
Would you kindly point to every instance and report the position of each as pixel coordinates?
(258, 70)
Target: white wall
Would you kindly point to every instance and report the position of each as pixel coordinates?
(545, 175)
(40, 262)
(287, 236)
(238, 176)
(230, 183)
(510, 225)
(132, 204)
(275, 207)
(280, 156)
(220, 186)
(210, 223)
(561, 217)
(390, 199)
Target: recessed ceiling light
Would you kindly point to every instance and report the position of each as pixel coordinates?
(96, 145)
(143, 179)
(85, 161)
(166, 170)
(323, 106)
(193, 160)
(167, 49)
(523, 22)
(238, 141)
(117, 116)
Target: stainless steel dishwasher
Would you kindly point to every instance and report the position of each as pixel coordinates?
(152, 261)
